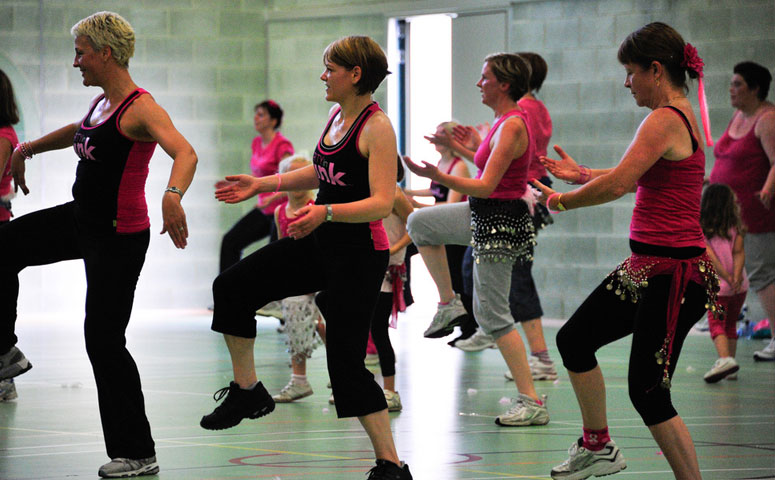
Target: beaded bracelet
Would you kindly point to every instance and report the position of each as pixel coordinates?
(26, 150)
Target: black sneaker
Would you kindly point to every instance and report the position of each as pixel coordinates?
(237, 405)
(386, 470)
(13, 363)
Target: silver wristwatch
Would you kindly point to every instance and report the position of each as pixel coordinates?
(329, 213)
(174, 190)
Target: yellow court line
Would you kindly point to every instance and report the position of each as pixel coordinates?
(502, 474)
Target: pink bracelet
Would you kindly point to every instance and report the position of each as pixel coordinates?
(584, 176)
(279, 182)
(560, 206)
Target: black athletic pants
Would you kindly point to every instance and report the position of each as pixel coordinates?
(251, 228)
(113, 263)
(349, 278)
(604, 318)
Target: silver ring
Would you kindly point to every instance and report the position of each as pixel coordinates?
(181, 229)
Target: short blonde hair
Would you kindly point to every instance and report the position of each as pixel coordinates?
(108, 29)
(287, 162)
(363, 52)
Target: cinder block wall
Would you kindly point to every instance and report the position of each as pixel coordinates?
(595, 117)
(209, 61)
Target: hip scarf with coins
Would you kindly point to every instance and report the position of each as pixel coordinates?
(503, 230)
(630, 276)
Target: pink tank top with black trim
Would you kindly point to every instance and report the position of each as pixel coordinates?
(667, 200)
(513, 184)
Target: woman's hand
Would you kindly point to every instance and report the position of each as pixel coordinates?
(736, 283)
(427, 170)
(565, 169)
(240, 187)
(17, 171)
(467, 136)
(222, 184)
(545, 191)
(766, 198)
(308, 219)
(174, 219)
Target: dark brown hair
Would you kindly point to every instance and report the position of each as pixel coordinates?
(9, 113)
(719, 211)
(755, 76)
(512, 69)
(538, 69)
(657, 42)
(273, 109)
(363, 52)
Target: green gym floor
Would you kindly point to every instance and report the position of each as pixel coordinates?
(445, 431)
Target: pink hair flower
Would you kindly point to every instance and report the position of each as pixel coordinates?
(692, 60)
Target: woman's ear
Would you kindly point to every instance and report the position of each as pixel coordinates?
(356, 73)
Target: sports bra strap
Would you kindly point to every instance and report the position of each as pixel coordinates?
(695, 143)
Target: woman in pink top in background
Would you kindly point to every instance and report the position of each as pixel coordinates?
(269, 147)
(661, 290)
(9, 116)
(745, 156)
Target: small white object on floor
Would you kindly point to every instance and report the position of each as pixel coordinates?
(690, 369)
(325, 409)
(504, 400)
(472, 391)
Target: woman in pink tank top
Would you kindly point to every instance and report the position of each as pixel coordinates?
(661, 290)
(744, 160)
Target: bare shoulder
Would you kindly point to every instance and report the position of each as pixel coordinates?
(766, 123)
(378, 125)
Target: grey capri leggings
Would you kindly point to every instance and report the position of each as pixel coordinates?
(451, 225)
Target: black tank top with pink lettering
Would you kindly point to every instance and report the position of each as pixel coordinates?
(344, 177)
(109, 188)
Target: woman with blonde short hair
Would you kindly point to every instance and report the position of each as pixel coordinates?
(106, 225)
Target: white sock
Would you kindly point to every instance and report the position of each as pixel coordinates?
(299, 379)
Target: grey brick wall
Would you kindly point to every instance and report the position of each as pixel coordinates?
(209, 61)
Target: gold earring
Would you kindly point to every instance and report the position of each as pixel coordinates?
(657, 82)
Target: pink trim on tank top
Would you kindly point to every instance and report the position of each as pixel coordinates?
(132, 209)
(379, 235)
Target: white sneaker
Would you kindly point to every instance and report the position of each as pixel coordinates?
(371, 359)
(447, 317)
(331, 399)
(721, 368)
(525, 412)
(128, 467)
(538, 369)
(767, 354)
(393, 401)
(583, 463)
(732, 376)
(293, 391)
(7, 390)
(476, 342)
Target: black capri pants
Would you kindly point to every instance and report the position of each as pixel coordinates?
(350, 276)
(604, 318)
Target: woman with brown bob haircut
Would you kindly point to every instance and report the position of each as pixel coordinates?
(337, 246)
